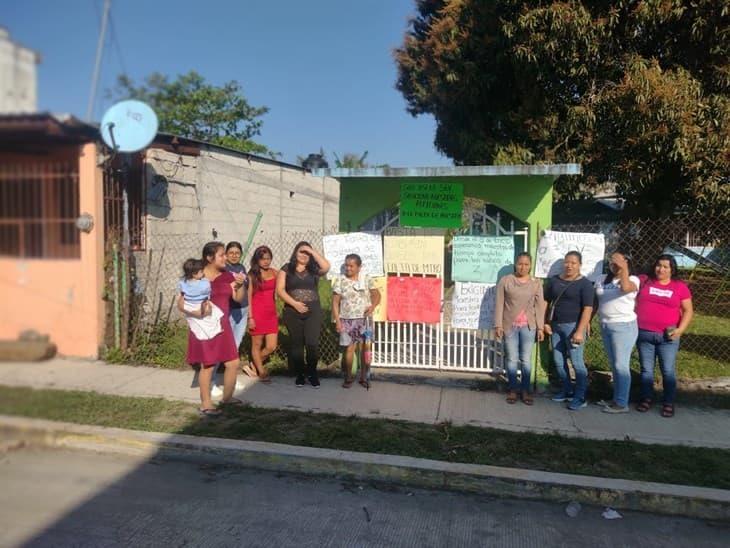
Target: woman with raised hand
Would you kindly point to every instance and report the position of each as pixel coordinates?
(570, 299)
(616, 295)
(519, 319)
(297, 285)
(664, 311)
(222, 348)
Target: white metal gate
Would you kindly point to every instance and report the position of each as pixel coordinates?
(439, 346)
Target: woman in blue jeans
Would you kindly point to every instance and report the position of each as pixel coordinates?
(519, 319)
(664, 311)
(570, 299)
(616, 296)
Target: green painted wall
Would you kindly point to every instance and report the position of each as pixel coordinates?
(527, 197)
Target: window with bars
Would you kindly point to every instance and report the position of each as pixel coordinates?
(39, 204)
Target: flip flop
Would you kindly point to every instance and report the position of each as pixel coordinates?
(234, 402)
(209, 412)
(364, 384)
(348, 383)
(250, 371)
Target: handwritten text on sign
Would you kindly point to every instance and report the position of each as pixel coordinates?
(481, 258)
(554, 245)
(381, 284)
(431, 204)
(473, 305)
(368, 245)
(414, 250)
(413, 299)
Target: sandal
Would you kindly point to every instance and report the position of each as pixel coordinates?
(235, 402)
(668, 410)
(527, 399)
(644, 405)
(511, 397)
(365, 384)
(250, 371)
(209, 412)
(348, 383)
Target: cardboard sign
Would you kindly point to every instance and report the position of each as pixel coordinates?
(414, 299)
(381, 284)
(472, 306)
(414, 250)
(554, 245)
(431, 204)
(482, 259)
(366, 244)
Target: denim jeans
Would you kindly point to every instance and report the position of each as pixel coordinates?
(518, 351)
(652, 345)
(562, 350)
(619, 339)
(239, 320)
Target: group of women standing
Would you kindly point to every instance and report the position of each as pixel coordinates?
(245, 301)
(650, 312)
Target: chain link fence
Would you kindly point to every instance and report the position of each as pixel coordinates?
(701, 247)
(158, 333)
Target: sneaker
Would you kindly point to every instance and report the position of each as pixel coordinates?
(314, 381)
(603, 403)
(613, 408)
(561, 397)
(577, 404)
(300, 381)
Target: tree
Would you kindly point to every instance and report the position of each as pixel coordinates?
(637, 91)
(191, 107)
(351, 160)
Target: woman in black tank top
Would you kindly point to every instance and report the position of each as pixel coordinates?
(297, 285)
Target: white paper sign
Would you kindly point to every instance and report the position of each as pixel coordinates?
(554, 245)
(368, 245)
(473, 305)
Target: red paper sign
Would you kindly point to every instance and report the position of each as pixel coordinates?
(412, 299)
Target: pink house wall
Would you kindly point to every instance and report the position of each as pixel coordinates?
(62, 297)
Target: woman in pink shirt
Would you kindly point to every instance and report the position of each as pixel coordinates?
(664, 311)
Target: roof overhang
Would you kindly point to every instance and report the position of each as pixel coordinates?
(450, 171)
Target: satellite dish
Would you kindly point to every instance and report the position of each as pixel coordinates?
(129, 126)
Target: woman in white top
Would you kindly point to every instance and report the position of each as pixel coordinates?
(616, 302)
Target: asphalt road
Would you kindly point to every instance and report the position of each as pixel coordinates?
(66, 498)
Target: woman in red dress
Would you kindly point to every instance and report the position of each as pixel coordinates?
(263, 321)
(221, 348)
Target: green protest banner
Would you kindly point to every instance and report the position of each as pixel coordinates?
(482, 259)
(431, 204)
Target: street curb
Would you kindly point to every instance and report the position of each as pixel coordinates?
(659, 498)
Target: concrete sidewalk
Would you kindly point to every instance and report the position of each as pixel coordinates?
(416, 403)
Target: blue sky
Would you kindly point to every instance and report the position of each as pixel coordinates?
(324, 67)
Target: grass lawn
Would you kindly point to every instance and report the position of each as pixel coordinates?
(467, 444)
(704, 350)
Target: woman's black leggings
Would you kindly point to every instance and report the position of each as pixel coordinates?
(304, 330)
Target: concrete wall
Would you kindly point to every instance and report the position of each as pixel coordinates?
(62, 297)
(527, 197)
(216, 196)
(17, 76)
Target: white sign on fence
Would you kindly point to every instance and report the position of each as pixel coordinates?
(554, 245)
(473, 305)
(368, 245)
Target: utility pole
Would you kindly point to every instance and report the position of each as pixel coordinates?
(97, 64)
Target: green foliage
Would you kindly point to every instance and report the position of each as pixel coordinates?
(635, 91)
(191, 107)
